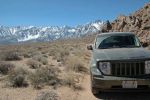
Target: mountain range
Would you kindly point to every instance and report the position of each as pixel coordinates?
(19, 34)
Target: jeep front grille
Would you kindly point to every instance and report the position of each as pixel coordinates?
(127, 68)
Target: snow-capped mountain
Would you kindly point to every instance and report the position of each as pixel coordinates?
(31, 33)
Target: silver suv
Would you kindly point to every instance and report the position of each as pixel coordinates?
(119, 63)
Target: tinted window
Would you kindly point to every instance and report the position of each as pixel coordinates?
(119, 42)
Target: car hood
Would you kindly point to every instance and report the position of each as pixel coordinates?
(121, 54)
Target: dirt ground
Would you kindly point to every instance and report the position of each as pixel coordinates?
(30, 94)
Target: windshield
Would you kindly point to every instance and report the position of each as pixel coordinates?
(117, 41)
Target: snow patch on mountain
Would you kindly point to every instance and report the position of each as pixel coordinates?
(71, 30)
(29, 37)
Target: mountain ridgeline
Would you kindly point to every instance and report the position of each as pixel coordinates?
(9, 35)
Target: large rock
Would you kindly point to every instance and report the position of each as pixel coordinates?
(106, 27)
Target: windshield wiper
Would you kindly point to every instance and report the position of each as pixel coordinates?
(109, 47)
(129, 46)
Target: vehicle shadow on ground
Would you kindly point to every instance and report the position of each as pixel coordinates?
(124, 96)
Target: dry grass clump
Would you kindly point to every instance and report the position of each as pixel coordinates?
(59, 53)
(49, 95)
(41, 59)
(18, 77)
(44, 76)
(73, 80)
(75, 64)
(30, 53)
(11, 56)
(33, 64)
(52, 51)
(80, 52)
(45, 55)
(44, 51)
(6, 67)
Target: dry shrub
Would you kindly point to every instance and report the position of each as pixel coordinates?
(62, 54)
(73, 80)
(6, 67)
(45, 55)
(11, 56)
(27, 54)
(44, 51)
(44, 76)
(59, 53)
(49, 95)
(80, 52)
(52, 51)
(33, 64)
(18, 77)
(31, 53)
(41, 59)
(75, 64)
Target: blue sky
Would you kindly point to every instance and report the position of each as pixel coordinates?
(63, 12)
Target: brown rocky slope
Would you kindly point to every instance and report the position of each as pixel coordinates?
(138, 23)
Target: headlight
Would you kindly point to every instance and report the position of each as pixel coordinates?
(147, 67)
(105, 67)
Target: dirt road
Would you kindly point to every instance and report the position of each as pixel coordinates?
(84, 94)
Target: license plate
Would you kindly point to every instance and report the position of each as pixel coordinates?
(129, 84)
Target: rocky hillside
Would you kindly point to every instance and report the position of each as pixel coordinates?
(138, 22)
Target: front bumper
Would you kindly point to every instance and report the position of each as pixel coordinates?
(111, 83)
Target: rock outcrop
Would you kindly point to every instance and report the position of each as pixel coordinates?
(138, 23)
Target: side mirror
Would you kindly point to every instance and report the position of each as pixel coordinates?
(90, 47)
(144, 44)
